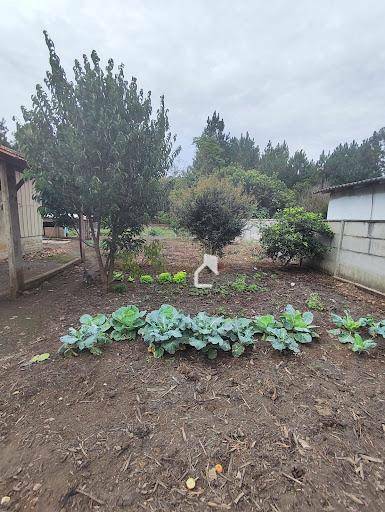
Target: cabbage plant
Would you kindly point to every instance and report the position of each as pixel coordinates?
(263, 323)
(99, 320)
(164, 330)
(377, 329)
(360, 345)
(241, 332)
(88, 337)
(208, 333)
(299, 324)
(125, 322)
(347, 326)
(281, 339)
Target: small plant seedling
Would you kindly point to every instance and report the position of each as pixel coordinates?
(130, 279)
(360, 345)
(314, 302)
(146, 279)
(377, 329)
(240, 285)
(221, 311)
(119, 288)
(117, 276)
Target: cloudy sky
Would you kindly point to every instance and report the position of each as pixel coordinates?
(311, 72)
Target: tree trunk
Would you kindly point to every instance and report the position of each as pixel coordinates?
(99, 259)
(81, 237)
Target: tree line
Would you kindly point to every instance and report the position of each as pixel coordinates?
(276, 178)
(97, 148)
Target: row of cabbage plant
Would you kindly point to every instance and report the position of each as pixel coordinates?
(167, 330)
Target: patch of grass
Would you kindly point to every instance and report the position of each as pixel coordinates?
(158, 231)
(61, 258)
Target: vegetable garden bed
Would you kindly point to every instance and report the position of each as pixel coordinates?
(125, 431)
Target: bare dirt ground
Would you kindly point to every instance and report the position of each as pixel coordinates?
(53, 254)
(123, 431)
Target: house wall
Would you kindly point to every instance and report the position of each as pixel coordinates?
(357, 253)
(31, 223)
(366, 203)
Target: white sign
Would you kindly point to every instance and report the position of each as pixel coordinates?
(211, 262)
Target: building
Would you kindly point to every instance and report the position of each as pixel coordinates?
(17, 209)
(356, 214)
(31, 223)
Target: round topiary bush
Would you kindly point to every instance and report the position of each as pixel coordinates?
(214, 211)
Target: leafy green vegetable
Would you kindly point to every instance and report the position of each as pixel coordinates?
(347, 322)
(281, 339)
(99, 320)
(347, 327)
(314, 302)
(240, 330)
(377, 329)
(88, 337)
(263, 323)
(164, 330)
(180, 277)
(299, 324)
(117, 276)
(208, 333)
(146, 279)
(360, 345)
(240, 284)
(237, 349)
(125, 322)
(164, 277)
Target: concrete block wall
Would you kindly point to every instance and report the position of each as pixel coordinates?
(253, 229)
(357, 253)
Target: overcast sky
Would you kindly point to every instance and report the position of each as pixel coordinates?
(311, 72)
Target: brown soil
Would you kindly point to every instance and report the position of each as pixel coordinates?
(124, 431)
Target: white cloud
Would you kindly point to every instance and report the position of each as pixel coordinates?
(308, 72)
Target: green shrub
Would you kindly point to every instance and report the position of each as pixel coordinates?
(127, 261)
(164, 277)
(296, 235)
(152, 255)
(146, 279)
(213, 211)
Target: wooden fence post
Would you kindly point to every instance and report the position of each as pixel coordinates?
(12, 229)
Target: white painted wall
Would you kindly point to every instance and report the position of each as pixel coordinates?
(360, 255)
(253, 229)
(366, 204)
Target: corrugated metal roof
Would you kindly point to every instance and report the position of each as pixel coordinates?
(14, 159)
(353, 184)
